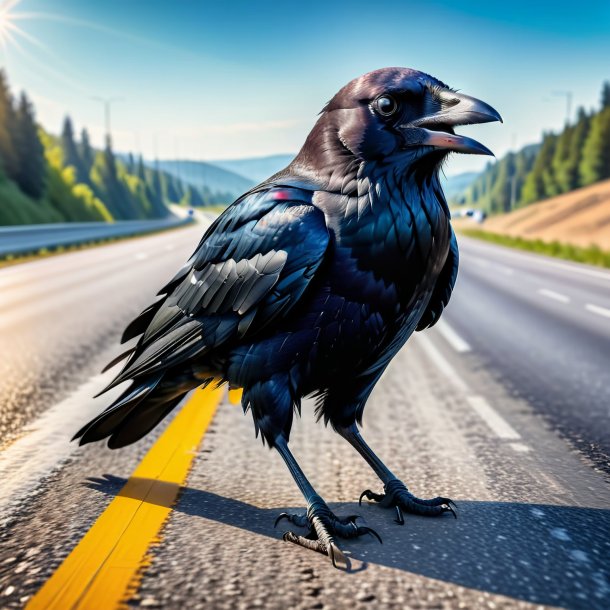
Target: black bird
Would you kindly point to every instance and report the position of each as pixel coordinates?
(311, 282)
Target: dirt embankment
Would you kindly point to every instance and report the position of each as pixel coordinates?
(580, 218)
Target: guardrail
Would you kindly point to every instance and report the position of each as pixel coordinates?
(27, 239)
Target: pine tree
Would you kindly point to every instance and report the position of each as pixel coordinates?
(595, 164)
(171, 192)
(31, 164)
(606, 95)
(108, 187)
(196, 199)
(86, 152)
(561, 159)
(131, 164)
(539, 182)
(141, 172)
(71, 154)
(157, 184)
(572, 166)
(8, 159)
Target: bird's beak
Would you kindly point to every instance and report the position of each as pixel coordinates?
(457, 109)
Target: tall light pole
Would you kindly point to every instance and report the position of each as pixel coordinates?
(568, 96)
(107, 102)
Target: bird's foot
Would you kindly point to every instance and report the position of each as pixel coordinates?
(324, 526)
(399, 497)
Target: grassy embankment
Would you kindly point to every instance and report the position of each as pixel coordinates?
(574, 226)
(592, 255)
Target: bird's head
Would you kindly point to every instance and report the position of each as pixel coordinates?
(398, 113)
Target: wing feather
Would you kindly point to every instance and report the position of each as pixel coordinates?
(443, 288)
(252, 265)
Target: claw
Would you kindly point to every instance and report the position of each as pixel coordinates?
(370, 495)
(365, 493)
(451, 502)
(448, 508)
(372, 532)
(354, 517)
(399, 518)
(338, 559)
(280, 517)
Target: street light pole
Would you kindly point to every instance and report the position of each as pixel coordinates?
(107, 102)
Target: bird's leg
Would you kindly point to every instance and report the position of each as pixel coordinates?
(323, 525)
(396, 495)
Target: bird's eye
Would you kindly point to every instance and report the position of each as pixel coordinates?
(386, 105)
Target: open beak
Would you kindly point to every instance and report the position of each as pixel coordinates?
(457, 109)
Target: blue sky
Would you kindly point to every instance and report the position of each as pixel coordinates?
(209, 80)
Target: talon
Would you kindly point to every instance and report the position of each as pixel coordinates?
(448, 508)
(366, 493)
(399, 517)
(372, 532)
(338, 559)
(279, 518)
(451, 502)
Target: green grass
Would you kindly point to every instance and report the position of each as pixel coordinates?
(592, 255)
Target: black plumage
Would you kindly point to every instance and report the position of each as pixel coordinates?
(311, 282)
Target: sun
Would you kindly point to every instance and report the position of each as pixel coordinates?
(9, 31)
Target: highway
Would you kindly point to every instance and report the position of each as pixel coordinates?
(503, 406)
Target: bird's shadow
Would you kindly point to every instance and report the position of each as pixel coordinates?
(542, 554)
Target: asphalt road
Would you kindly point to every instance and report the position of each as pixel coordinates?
(504, 408)
(541, 326)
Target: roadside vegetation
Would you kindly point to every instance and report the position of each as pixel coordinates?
(592, 255)
(46, 178)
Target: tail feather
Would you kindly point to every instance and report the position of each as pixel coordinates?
(138, 325)
(139, 422)
(118, 359)
(139, 409)
(105, 423)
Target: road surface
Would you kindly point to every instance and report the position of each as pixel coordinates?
(503, 407)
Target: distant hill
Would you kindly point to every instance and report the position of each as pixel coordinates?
(201, 174)
(454, 186)
(256, 169)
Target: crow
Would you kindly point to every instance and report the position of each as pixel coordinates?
(310, 283)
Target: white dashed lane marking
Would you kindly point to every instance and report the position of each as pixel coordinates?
(442, 364)
(456, 342)
(555, 296)
(500, 427)
(141, 256)
(600, 311)
(495, 422)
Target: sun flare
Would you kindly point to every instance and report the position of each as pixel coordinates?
(9, 31)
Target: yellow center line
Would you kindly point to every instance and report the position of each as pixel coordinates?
(235, 396)
(104, 569)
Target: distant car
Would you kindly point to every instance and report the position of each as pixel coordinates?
(191, 212)
(479, 216)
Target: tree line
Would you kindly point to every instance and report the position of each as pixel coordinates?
(45, 178)
(577, 156)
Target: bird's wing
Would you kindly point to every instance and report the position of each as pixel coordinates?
(443, 288)
(251, 267)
